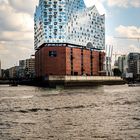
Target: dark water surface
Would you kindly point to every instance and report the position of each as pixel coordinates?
(105, 113)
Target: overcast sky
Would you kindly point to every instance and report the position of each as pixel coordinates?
(16, 27)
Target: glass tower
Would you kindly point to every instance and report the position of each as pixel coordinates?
(68, 21)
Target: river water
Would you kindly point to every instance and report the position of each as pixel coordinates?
(101, 113)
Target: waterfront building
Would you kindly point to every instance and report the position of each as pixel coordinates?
(129, 65)
(13, 72)
(27, 68)
(30, 65)
(108, 67)
(69, 38)
(123, 63)
(22, 66)
(134, 64)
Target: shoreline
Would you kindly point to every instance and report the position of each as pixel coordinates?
(69, 81)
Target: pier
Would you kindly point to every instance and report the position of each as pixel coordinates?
(69, 81)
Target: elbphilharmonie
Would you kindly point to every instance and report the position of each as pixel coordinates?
(69, 38)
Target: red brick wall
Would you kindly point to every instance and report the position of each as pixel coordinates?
(86, 62)
(36, 63)
(95, 61)
(68, 61)
(62, 63)
(76, 61)
(46, 65)
(56, 65)
(102, 59)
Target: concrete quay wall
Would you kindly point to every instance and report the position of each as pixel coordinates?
(84, 78)
(70, 81)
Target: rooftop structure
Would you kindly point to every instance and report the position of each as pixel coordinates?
(67, 38)
(134, 64)
(68, 21)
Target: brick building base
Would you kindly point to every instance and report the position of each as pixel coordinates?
(66, 60)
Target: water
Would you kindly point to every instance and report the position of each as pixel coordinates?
(105, 113)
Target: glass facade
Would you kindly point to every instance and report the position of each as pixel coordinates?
(68, 21)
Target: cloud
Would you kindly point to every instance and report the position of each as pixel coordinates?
(11, 52)
(16, 36)
(124, 3)
(122, 46)
(98, 3)
(23, 6)
(134, 48)
(3, 50)
(110, 40)
(128, 31)
(12, 21)
(16, 28)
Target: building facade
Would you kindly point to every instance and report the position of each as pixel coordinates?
(134, 64)
(64, 60)
(129, 65)
(13, 72)
(123, 63)
(65, 25)
(30, 65)
(27, 68)
(68, 21)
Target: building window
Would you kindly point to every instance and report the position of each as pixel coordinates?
(52, 53)
(60, 27)
(55, 23)
(60, 9)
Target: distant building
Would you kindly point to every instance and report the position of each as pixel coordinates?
(129, 65)
(22, 64)
(27, 68)
(108, 66)
(123, 63)
(30, 66)
(13, 72)
(134, 64)
(69, 38)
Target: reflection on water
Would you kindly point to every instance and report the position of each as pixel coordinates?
(103, 113)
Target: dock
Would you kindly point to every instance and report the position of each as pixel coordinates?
(70, 81)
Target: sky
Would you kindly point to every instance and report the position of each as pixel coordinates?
(17, 25)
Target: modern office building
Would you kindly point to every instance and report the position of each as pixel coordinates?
(123, 63)
(22, 66)
(108, 66)
(68, 34)
(134, 64)
(129, 65)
